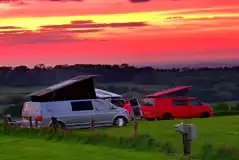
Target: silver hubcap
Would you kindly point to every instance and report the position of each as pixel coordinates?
(120, 122)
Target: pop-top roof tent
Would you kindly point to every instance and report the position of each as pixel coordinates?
(80, 87)
(172, 92)
(106, 94)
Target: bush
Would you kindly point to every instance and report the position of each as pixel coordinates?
(14, 110)
(12, 99)
(236, 107)
(221, 107)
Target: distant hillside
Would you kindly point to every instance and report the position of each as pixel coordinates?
(209, 84)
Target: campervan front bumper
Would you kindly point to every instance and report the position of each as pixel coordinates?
(26, 124)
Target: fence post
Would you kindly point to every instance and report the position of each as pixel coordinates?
(54, 123)
(135, 134)
(5, 123)
(229, 107)
(30, 122)
(36, 123)
(9, 117)
(92, 123)
(186, 144)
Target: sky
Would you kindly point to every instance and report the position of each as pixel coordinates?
(118, 31)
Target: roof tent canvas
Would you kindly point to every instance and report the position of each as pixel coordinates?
(105, 94)
(172, 92)
(81, 87)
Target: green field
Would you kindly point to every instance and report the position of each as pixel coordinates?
(16, 148)
(218, 131)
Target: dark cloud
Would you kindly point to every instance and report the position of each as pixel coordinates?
(13, 37)
(22, 1)
(138, 1)
(9, 27)
(90, 24)
(65, 0)
(216, 18)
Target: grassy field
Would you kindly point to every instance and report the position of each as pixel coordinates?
(218, 131)
(19, 148)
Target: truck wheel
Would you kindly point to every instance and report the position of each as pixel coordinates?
(204, 115)
(150, 119)
(119, 121)
(167, 116)
(59, 125)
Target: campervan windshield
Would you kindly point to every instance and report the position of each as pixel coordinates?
(148, 102)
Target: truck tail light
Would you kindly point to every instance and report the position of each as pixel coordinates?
(39, 118)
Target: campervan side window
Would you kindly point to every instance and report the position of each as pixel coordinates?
(148, 102)
(180, 102)
(81, 106)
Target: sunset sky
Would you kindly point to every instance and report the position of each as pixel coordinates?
(117, 31)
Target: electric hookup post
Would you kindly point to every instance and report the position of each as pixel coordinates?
(189, 133)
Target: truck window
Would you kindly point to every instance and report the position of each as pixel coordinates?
(177, 102)
(118, 103)
(194, 102)
(81, 106)
(148, 102)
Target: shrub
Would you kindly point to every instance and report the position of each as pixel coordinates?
(236, 107)
(14, 110)
(221, 107)
(12, 99)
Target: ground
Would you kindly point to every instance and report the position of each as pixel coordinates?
(218, 131)
(15, 148)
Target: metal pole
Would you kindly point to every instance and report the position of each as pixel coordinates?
(92, 123)
(186, 145)
(54, 121)
(30, 122)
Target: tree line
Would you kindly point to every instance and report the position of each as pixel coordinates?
(209, 84)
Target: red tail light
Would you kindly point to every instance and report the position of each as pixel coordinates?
(39, 118)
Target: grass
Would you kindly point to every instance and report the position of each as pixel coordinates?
(218, 131)
(19, 148)
(218, 139)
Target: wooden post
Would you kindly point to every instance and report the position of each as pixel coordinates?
(92, 123)
(36, 123)
(9, 117)
(135, 134)
(5, 123)
(54, 124)
(30, 122)
(229, 107)
(186, 144)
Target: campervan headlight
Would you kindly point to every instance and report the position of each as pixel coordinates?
(126, 111)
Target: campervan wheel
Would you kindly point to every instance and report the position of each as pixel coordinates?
(167, 116)
(119, 121)
(60, 125)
